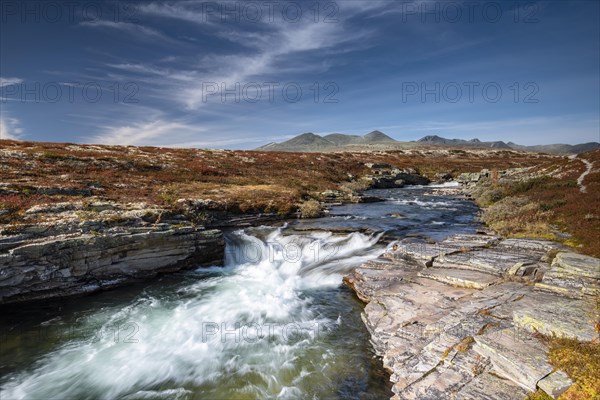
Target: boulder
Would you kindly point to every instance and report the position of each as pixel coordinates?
(469, 177)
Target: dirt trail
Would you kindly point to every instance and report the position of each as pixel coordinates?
(588, 169)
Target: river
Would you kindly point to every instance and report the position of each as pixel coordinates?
(274, 322)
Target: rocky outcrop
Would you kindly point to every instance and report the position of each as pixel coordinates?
(573, 275)
(457, 319)
(75, 264)
(472, 177)
(114, 244)
(385, 176)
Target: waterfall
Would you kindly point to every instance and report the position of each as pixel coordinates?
(259, 327)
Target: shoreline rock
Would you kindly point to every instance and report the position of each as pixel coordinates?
(465, 328)
(72, 264)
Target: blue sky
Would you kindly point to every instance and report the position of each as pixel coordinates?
(241, 74)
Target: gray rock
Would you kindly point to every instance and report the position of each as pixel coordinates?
(54, 208)
(555, 315)
(467, 177)
(573, 275)
(488, 386)
(555, 384)
(460, 278)
(443, 176)
(423, 321)
(79, 263)
(516, 355)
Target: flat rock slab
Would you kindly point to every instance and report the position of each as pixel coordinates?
(460, 278)
(471, 241)
(444, 380)
(518, 356)
(555, 384)
(577, 264)
(573, 275)
(419, 250)
(496, 261)
(554, 315)
(490, 387)
(530, 246)
(454, 320)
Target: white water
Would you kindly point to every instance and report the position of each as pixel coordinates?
(451, 184)
(179, 345)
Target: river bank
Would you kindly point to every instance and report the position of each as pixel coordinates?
(459, 318)
(485, 316)
(79, 247)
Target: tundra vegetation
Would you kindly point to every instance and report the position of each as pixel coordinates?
(547, 202)
(238, 181)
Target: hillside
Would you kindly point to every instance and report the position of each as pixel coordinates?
(545, 148)
(437, 140)
(559, 201)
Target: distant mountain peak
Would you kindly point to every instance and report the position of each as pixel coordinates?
(377, 136)
(307, 135)
(431, 138)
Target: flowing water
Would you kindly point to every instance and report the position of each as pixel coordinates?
(274, 322)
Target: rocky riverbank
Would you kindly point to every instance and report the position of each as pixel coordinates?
(460, 319)
(77, 248)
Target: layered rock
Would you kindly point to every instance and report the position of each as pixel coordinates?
(458, 319)
(68, 254)
(572, 274)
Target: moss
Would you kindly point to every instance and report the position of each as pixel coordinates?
(539, 395)
(581, 362)
(465, 344)
(461, 347)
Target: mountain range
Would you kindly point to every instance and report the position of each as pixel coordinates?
(310, 142)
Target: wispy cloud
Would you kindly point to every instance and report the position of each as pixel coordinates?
(9, 128)
(180, 75)
(136, 30)
(10, 81)
(176, 11)
(157, 132)
(272, 51)
(271, 43)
